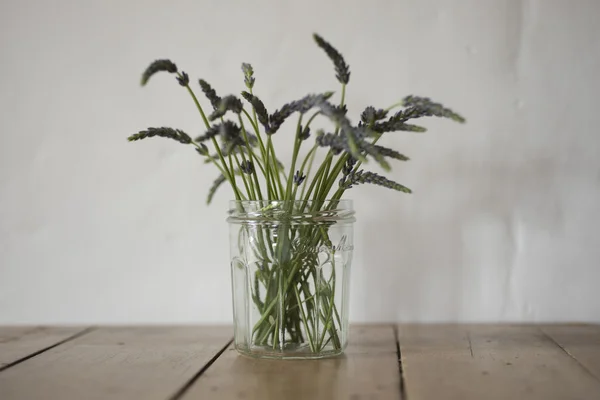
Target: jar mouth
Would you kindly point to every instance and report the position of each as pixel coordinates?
(291, 211)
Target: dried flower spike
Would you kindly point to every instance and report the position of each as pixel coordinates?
(202, 149)
(374, 179)
(349, 166)
(213, 189)
(371, 115)
(303, 105)
(341, 68)
(165, 132)
(227, 103)
(259, 107)
(304, 133)
(212, 132)
(352, 135)
(335, 142)
(299, 178)
(248, 75)
(210, 93)
(247, 167)
(229, 131)
(426, 108)
(158, 66)
(183, 79)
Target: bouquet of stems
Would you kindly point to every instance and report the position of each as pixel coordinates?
(294, 300)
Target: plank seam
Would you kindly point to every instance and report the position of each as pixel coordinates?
(470, 344)
(400, 367)
(569, 354)
(45, 349)
(179, 394)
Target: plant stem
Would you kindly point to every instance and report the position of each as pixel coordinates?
(305, 321)
(310, 157)
(228, 174)
(297, 144)
(252, 157)
(249, 189)
(399, 104)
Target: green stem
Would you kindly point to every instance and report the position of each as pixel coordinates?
(314, 181)
(228, 174)
(252, 157)
(198, 106)
(233, 180)
(249, 189)
(310, 157)
(305, 321)
(297, 144)
(274, 170)
(399, 104)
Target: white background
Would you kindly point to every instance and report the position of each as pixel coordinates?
(504, 222)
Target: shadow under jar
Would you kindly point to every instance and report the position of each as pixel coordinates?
(290, 270)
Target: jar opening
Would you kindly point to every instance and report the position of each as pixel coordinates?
(292, 211)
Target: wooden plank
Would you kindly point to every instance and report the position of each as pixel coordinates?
(368, 370)
(582, 342)
(116, 363)
(489, 362)
(17, 343)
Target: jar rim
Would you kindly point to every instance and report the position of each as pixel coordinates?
(292, 211)
(345, 202)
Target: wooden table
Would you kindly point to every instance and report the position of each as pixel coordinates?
(382, 362)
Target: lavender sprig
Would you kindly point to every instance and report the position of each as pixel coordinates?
(202, 149)
(302, 106)
(425, 107)
(353, 135)
(361, 177)
(336, 143)
(395, 126)
(210, 93)
(213, 189)
(299, 178)
(304, 133)
(259, 107)
(212, 132)
(371, 115)
(247, 167)
(385, 151)
(347, 169)
(170, 133)
(158, 66)
(248, 75)
(227, 103)
(341, 68)
(183, 79)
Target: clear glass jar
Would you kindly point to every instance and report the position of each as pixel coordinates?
(290, 271)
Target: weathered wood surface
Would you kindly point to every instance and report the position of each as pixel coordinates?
(116, 363)
(437, 362)
(19, 343)
(368, 370)
(582, 342)
(490, 362)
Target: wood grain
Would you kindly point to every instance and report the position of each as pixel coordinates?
(489, 362)
(116, 363)
(19, 342)
(582, 342)
(368, 370)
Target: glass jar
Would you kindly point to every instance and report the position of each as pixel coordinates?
(290, 273)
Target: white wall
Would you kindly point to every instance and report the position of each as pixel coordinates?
(503, 224)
